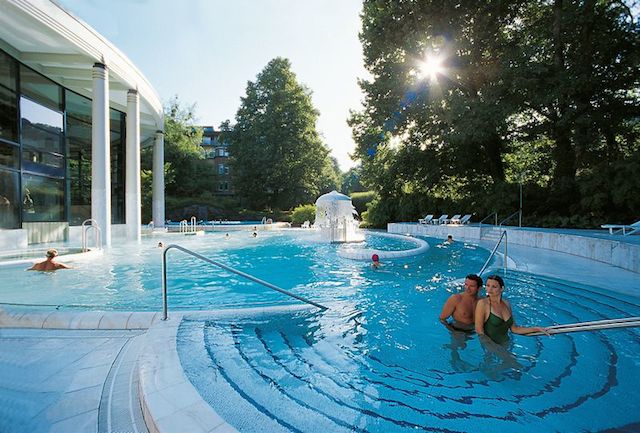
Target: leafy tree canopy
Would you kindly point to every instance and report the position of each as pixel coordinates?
(543, 93)
(278, 159)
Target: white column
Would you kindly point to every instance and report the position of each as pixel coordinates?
(132, 184)
(158, 180)
(100, 153)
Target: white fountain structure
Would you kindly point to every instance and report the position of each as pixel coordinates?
(335, 218)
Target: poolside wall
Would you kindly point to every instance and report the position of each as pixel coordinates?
(616, 253)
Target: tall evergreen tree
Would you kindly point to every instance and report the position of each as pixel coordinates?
(277, 156)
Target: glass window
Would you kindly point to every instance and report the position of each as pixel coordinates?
(79, 169)
(206, 141)
(42, 198)
(8, 71)
(39, 88)
(117, 166)
(8, 115)
(9, 199)
(41, 127)
(78, 106)
(9, 155)
(220, 169)
(36, 161)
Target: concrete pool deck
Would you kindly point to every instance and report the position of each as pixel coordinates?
(86, 380)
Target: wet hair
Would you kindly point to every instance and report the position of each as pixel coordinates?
(375, 258)
(477, 279)
(52, 253)
(497, 278)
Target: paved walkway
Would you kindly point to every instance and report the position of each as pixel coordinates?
(69, 381)
(571, 268)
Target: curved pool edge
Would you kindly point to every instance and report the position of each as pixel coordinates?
(365, 254)
(14, 317)
(170, 402)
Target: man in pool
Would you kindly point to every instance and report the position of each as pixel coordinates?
(49, 264)
(461, 306)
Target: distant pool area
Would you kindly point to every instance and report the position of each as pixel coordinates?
(128, 277)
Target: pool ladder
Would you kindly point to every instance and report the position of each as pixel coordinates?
(97, 237)
(493, 253)
(225, 267)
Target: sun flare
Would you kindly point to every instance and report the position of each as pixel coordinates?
(431, 67)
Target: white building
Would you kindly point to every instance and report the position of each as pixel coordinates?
(74, 114)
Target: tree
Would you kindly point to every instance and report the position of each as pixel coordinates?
(278, 159)
(187, 174)
(543, 92)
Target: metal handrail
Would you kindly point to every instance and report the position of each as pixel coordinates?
(184, 227)
(493, 252)
(509, 217)
(225, 267)
(495, 215)
(98, 237)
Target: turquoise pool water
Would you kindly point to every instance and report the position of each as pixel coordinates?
(380, 361)
(128, 277)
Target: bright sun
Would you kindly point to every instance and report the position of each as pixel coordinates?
(431, 67)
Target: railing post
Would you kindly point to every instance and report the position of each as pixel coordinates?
(164, 284)
(506, 257)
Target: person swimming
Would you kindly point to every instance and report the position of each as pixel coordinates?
(49, 264)
(375, 261)
(494, 317)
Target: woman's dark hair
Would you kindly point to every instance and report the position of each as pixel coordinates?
(497, 278)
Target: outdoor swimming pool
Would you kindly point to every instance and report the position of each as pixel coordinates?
(129, 277)
(380, 361)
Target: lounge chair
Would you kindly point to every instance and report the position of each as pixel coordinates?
(460, 221)
(625, 229)
(306, 225)
(440, 220)
(455, 217)
(426, 220)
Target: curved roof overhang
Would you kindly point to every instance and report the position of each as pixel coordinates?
(49, 39)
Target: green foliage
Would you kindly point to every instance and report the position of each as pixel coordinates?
(302, 213)
(360, 200)
(350, 181)
(532, 93)
(277, 156)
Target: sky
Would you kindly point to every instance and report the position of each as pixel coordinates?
(205, 52)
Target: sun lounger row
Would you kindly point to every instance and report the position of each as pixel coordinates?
(444, 219)
(626, 230)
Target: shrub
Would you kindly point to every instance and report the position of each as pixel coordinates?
(302, 213)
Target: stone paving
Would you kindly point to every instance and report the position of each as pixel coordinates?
(54, 380)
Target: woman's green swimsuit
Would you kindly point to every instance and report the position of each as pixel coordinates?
(497, 328)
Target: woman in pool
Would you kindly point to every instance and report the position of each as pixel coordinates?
(494, 317)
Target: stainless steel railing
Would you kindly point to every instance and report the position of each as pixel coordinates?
(493, 252)
(495, 217)
(97, 237)
(510, 217)
(225, 267)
